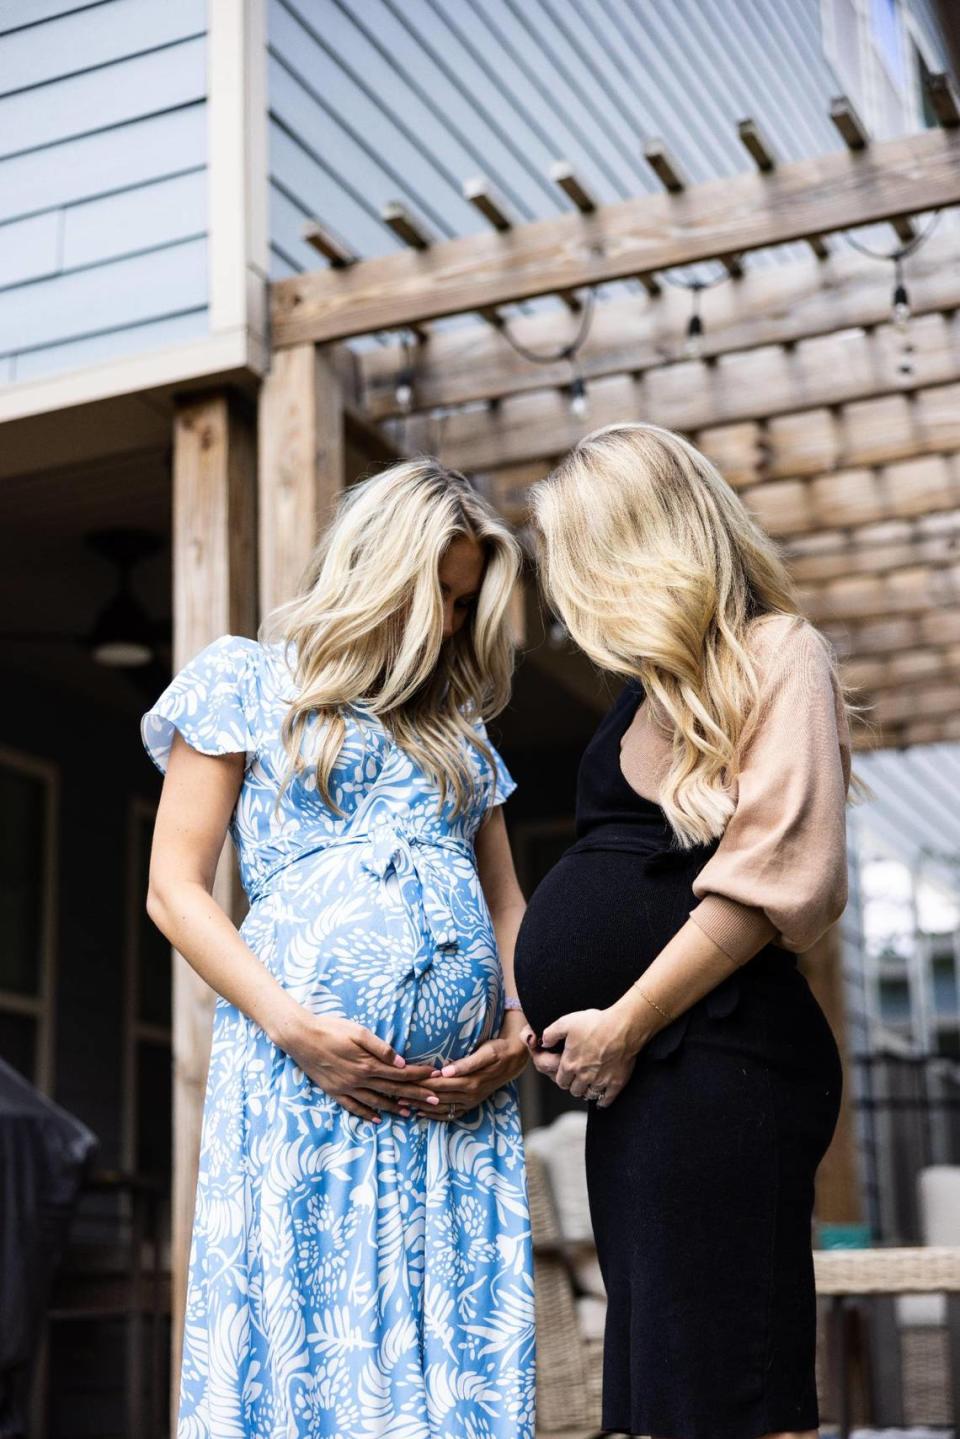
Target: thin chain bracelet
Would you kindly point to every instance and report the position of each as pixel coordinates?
(667, 1017)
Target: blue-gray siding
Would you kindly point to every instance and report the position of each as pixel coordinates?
(103, 152)
(379, 100)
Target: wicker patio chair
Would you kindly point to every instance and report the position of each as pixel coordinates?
(915, 1375)
(568, 1365)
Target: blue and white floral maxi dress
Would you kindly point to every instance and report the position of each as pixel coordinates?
(348, 1279)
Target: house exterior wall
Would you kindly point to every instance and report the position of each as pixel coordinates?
(103, 185)
(377, 100)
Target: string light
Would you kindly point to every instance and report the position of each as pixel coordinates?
(403, 389)
(576, 391)
(579, 404)
(693, 346)
(901, 300)
(900, 309)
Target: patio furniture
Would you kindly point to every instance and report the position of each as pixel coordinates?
(870, 1279)
(568, 1362)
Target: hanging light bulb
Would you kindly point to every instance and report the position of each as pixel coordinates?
(901, 307)
(578, 397)
(901, 318)
(901, 300)
(693, 346)
(403, 394)
(403, 390)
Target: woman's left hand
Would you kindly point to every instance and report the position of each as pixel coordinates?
(596, 1055)
(467, 1082)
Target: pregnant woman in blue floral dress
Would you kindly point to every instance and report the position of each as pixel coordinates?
(361, 1259)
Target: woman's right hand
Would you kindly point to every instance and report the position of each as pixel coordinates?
(356, 1068)
(545, 1061)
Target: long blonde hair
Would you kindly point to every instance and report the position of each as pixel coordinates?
(657, 570)
(367, 625)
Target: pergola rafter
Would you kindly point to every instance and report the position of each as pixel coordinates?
(846, 449)
(832, 370)
(774, 306)
(720, 218)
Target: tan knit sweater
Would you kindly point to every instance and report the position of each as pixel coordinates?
(780, 869)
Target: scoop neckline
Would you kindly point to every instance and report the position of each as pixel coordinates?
(635, 710)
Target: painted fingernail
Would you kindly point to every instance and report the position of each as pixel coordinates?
(433, 1099)
(399, 1062)
(447, 1070)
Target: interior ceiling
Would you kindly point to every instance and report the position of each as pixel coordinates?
(52, 580)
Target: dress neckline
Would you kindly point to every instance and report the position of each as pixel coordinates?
(631, 688)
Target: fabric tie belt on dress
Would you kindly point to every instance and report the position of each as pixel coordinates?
(398, 847)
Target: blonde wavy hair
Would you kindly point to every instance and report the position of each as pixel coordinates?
(367, 626)
(657, 570)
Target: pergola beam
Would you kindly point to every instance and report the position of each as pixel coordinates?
(876, 549)
(722, 217)
(779, 306)
(667, 171)
(917, 489)
(922, 486)
(875, 673)
(830, 371)
(913, 591)
(901, 736)
(893, 634)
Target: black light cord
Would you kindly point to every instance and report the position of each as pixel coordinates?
(902, 252)
(565, 352)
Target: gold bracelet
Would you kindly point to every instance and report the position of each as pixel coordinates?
(656, 1006)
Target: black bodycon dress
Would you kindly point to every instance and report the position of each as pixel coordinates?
(701, 1172)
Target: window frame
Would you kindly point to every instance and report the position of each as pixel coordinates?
(141, 812)
(871, 59)
(42, 1006)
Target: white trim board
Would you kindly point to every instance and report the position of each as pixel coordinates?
(231, 352)
(237, 165)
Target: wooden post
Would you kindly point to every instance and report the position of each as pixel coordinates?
(838, 1198)
(214, 593)
(301, 470)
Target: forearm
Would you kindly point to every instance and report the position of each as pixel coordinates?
(686, 969)
(506, 925)
(190, 918)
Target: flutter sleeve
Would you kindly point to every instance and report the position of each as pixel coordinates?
(779, 871)
(503, 783)
(210, 701)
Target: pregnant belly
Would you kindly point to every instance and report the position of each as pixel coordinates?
(593, 925)
(346, 942)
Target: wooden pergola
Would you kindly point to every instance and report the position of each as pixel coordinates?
(798, 395)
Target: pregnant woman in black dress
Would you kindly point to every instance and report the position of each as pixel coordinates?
(715, 1081)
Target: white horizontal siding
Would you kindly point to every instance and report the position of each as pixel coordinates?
(98, 35)
(103, 184)
(151, 216)
(102, 164)
(166, 79)
(104, 297)
(114, 345)
(30, 248)
(18, 14)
